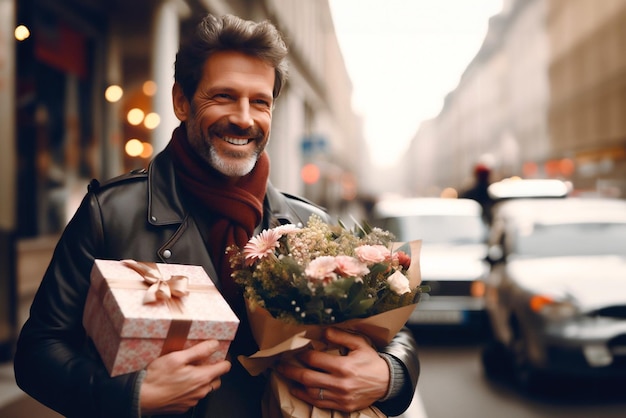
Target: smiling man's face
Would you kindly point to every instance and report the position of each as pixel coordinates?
(229, 118)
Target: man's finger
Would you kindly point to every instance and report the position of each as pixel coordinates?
(346, 339)
(200, 352)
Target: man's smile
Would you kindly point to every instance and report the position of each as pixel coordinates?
(236, 141)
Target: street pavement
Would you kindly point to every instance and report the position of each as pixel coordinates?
(33, 257)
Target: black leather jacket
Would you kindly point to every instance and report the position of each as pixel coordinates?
(140, 215)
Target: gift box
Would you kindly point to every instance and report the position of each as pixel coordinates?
(136, 312)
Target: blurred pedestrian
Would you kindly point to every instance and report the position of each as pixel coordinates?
(478, 191)
(207, 190)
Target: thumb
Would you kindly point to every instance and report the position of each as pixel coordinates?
(200, 352)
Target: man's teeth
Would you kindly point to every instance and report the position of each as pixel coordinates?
(236, 141)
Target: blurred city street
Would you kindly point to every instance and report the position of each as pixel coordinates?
(33, 257)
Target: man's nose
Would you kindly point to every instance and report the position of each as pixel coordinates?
(241, 114)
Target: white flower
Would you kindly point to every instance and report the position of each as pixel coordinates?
(399, 283)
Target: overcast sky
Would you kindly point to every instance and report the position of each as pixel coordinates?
(403, 57)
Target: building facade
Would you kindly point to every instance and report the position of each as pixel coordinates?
(588, 92)
(543, 98)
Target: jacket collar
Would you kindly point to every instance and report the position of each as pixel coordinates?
(165, 204)
(276, 209)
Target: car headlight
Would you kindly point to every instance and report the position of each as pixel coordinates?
(551, 308)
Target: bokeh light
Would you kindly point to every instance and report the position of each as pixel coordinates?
(135, 116)
(149, 88)
(152, 120)
(22, 33)
(567, 167)
(450, 193)
(147, 150)
(310, 173)
(113, 93)
(134, 147)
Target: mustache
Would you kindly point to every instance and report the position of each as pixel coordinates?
(225, 128)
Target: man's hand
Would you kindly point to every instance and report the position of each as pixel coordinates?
(176, 381)
(344, 383)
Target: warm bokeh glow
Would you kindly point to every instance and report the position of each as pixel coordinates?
(152, 120)
(530, 169)
(135, 116)
(348, 186)
(147, 150)
(567, 167)
(113, 93)
(134, 147)
(310, 173)
(149, 88)
(21, 33)
(449, 192)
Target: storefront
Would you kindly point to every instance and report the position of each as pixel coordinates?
(69, 128)
(59, 60)
(54, 82)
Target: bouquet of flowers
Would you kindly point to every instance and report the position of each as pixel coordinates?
(299, 280)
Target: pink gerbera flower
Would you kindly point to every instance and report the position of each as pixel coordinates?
(261, 246)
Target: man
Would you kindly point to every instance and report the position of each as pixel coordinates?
(479, 191)
(207, 190)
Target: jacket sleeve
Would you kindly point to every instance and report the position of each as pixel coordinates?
(54, 362)
(403, 349)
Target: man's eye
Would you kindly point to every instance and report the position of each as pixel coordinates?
(261, 102)
(223, 96)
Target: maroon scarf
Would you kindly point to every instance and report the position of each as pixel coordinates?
(235, 209)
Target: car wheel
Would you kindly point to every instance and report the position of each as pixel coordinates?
(496, 360)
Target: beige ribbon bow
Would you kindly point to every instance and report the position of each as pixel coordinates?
(160, 288)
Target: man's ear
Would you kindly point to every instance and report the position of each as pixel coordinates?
(181, 104)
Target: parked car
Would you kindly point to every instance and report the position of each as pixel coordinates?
(556, 293)
(452, 259)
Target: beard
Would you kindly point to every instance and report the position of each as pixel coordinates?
(241, 167)
(231, 163)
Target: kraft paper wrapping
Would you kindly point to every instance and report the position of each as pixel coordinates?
(277, 338)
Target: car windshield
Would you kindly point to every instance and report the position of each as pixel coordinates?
(437, 229)
(553, 240)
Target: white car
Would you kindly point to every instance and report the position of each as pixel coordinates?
(556, 294)
(518, 188)
(452, 260)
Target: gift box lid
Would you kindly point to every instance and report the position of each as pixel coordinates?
(121, 291)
